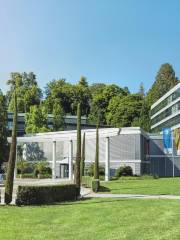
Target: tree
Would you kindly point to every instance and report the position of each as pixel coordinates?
(3, 129)
(144, 120)
(96, 165)
(58, 116)
(12, 155)
(122, 111)
(83, 155)
(100, 102)
(36, 120)
(27, 90)
(61, 90)
(141, 89)
(78, 153)
(81, 94)
(165, 80)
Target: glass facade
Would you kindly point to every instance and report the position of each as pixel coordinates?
(171, 122)
(166, 101)
(166, 113)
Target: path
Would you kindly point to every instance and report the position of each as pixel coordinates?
(87, 193)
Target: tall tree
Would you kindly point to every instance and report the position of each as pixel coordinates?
(78, 153)
(96, 165)
(83, 155)
(165, 80)
(36, 120)
(144, 120)
(27, 90)
(3, 129)
(100, 102)
(58, 117)
(122, 111)
(141, 89)
(12, 155)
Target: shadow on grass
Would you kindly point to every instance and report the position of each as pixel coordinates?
(104, 189)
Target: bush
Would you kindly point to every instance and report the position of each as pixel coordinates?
(90, 170)
(86, 181)
(124, 171)
(29, 195)
(95, 185)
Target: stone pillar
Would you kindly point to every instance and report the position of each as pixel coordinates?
(54, 160)
(107, 161)
(71, 160)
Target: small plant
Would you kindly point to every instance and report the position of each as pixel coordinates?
(22, 166)
(124, 171)
(40, 168)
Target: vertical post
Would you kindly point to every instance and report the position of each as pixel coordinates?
(15, 166)
(107, 163)
(70, 160)
(54, 161)
(173, 152)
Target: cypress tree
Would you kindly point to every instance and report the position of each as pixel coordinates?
(78, 153)
(12, 157)
(96, 165)
(83, 155)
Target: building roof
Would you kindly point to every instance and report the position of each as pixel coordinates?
(72, 135)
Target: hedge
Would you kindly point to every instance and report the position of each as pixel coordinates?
(30, 195)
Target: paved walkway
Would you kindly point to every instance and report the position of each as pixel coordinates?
(87, 193)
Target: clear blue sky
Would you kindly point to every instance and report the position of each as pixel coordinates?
(111, 41)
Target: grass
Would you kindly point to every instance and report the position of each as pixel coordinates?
(143, 186)
(100, 219)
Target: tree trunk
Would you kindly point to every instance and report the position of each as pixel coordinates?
(96, 165)
(78, 153)
(12, 157)
(83, 155)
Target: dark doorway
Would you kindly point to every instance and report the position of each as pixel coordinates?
(64, 170)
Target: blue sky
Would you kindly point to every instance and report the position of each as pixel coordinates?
(112, 41)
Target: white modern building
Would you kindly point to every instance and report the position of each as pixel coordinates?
(117, 147)
(165, 112)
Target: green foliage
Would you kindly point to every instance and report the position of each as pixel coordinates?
(58, 116)
(78, 153)
(124, 171)
(41, 166)
(95, 185)
(165, 80)
(96, 163)
(89, 170)
(36, 120)
(122, 111)
(144, 120)
(100, 102)
(22, 166)
(30, 195)
(3, 130)
(27, 90)
(12, 155)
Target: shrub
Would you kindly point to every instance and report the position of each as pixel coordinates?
(29, 195)
(90, 170)
(95, 185)
(124, 171)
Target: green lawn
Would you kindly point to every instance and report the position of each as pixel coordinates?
(97, 219)
(143, 186)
